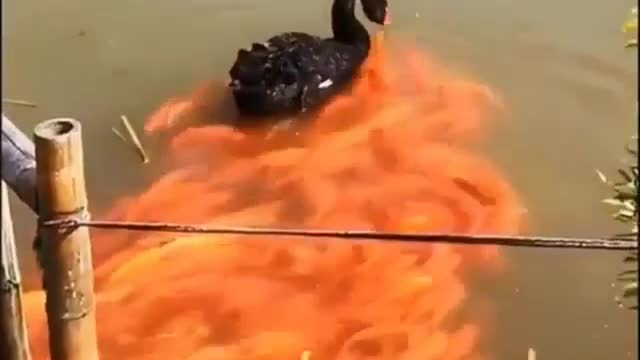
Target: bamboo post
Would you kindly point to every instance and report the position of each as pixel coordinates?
(67, 264)
(14, 342)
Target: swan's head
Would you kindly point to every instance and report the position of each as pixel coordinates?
(376, 11)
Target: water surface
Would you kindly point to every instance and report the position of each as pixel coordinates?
(568, 84)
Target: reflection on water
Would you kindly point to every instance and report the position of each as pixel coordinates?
(567, 83)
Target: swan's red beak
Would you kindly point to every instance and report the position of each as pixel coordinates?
(387, 18)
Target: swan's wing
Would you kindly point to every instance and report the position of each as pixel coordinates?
(289, 40)
(333, 62)
(277, 61)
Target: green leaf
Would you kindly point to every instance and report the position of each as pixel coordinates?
(602, 177)
(631, 206)
(630, 290)
(628, 272)
(627, 186)
(613, 201)
(626, 212)
(624, 175)
(631, 25)
(623, 218)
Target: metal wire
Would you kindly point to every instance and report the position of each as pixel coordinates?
(611, 243)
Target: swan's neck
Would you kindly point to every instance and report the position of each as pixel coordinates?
(345, 25)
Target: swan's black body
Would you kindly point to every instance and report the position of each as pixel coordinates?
(295, 72)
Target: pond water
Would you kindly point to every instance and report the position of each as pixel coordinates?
(568, 84)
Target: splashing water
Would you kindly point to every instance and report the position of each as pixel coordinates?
(387, 155)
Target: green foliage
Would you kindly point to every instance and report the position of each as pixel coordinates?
(625, 203)
(630, 28)
(625, 192)
(625, 195)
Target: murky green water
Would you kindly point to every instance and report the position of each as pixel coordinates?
(568, 83)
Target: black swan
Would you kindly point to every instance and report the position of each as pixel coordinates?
(295, 72)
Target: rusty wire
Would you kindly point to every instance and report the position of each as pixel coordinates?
(622, 242)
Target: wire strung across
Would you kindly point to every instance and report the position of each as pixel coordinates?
(620, 242)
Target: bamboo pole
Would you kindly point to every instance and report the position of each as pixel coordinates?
(19, 163)
(13, 329)
(67, 264)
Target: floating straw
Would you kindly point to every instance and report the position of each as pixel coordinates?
(19, 102)
(135, 139)
(119, 134)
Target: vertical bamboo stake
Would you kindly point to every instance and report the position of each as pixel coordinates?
(13, 329)
(67, 264)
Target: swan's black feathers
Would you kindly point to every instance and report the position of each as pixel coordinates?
(288, 67)
(295, 72)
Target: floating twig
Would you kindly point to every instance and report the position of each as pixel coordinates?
(135, 139)
(18, 102)
(119, 134)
